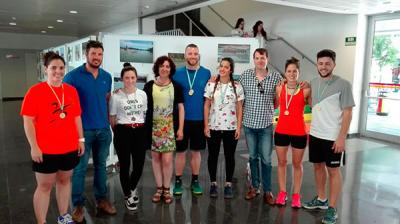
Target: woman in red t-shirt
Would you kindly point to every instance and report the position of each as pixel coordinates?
(290, 130)
(53, 127)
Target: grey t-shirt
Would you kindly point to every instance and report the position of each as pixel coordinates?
(329, 99)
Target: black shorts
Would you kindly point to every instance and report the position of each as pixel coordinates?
(299, 142)
(193, 133)
(320, 151)
(53, 163)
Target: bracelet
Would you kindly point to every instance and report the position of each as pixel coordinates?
(81, 140)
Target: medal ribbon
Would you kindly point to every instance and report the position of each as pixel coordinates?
(58, 99)
(194, 77)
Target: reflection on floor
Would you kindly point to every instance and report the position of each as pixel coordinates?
(371, 192)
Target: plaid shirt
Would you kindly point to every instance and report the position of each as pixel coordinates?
(259, 98)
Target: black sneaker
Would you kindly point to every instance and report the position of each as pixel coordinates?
(228, 192)
(213, 190)
(130, 205)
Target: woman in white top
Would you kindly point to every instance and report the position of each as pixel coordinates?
(260, 34)
(222, 121)
(239, 29)
(127, 117)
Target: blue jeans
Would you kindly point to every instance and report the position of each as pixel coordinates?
(97, 142)
(259, 142)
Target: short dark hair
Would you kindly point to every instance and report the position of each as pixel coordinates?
(191, 45)
(50, 56)
(128, 67)
(261, 51)
(327, 53)
(293, 61)
(160, 60)
(93, 44)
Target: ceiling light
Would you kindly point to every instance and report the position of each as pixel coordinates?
(146, 6)
(73, 12)
(13, 18)
(13, 24)
(43, 31)
(50, 27)
(60, 20)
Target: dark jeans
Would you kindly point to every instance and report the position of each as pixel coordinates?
(129, 143)
(97, 143)
(214, 143)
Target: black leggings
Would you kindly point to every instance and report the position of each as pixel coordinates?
(129, 142)
(214, 143)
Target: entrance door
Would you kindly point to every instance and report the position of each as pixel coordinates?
(381, 118)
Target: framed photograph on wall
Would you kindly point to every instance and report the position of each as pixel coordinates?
(78, 53)
(138, 51)
(240, 53)
(178, 58)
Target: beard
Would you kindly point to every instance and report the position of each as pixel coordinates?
(91, 64)
(192, 64)
(324, 76)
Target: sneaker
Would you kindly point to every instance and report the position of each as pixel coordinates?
(228, 192)
(213, 190)
(315, 203)
(78, 214)
(196, 188)
(281, 198)
(296, 203)
(330, 216)
(178, 190)
(106, 207)
(130, 204)
(134, 196)
(65, 219)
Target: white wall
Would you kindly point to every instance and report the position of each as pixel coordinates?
(31, 41)
(308, 30)
(171, 44)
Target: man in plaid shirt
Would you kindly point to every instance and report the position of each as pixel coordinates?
(259, 89)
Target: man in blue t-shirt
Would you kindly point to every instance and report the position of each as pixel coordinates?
(94, 86)
(193, 78)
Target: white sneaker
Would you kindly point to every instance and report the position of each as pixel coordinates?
(130, 205)
(134, 196)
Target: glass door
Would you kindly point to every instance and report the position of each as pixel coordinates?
(382, 96)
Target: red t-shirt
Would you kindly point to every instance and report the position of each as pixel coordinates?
(293, 123)
(53, 134)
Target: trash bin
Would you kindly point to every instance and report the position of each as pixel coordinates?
(382, 109)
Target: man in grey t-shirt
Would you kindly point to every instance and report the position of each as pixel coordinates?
(332, 103)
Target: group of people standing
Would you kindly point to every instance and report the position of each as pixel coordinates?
(183, 108)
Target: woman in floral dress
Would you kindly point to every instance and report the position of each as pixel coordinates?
(164, 120)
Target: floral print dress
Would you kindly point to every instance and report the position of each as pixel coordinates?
(163, 136)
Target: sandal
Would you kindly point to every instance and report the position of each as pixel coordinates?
(167, 196)
(157, 196)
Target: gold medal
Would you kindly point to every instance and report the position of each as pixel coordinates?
(191, 92)
(62, 115)
(286, 112)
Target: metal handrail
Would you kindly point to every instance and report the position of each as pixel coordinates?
(294, 48)
(192, 22)
(221, 17)
(174, 32)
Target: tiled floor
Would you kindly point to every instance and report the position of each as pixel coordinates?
(371, 192)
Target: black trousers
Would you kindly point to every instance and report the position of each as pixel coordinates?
(129, 143)
(214, 143)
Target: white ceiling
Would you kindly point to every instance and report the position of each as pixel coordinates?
(33, 16)
(367, 7)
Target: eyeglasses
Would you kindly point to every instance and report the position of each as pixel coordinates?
(260, 87)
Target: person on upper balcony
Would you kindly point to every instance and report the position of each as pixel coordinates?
(260, 34)
(239, 29)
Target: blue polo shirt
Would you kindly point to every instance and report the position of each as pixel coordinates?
(194, 105)
(92, 95)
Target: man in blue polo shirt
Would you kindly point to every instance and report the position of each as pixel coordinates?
(94, 86)
(193, 78)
